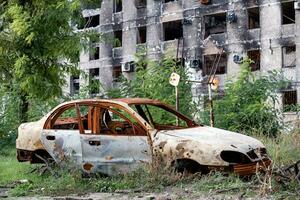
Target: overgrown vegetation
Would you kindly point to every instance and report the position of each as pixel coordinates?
(151, 80)
(248, 105)
(284, 150)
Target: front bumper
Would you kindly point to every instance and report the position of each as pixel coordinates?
(252, 168)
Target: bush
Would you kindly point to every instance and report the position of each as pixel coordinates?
(249, 103)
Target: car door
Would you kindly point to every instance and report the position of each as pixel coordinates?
(117, 145)
(61, 137)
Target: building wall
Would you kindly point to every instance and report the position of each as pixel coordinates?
(269, 37)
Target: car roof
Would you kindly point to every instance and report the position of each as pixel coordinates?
(128, 101)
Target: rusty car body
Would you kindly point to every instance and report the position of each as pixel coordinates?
(117, 136)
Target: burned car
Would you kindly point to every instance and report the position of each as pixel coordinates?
(119, 135)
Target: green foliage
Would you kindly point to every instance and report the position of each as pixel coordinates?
(249, 103)
(151, 80)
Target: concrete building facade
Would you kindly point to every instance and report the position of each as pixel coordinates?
(199, 31)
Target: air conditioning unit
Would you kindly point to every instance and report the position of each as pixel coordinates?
(231, 17)
(297, 5)
(187, 21)
(238, 59)
(196, 64)
(128, 67)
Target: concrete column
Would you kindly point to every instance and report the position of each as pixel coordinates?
(271, 52)
(236, 32)
(105, 72)
(129, 30)
(153, 29)
(297, 43)
(270, 20)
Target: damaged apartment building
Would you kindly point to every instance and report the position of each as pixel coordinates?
(196, 31)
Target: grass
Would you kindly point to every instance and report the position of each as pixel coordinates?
(284, 150)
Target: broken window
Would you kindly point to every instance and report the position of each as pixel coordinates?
(94, 52)
(141, 35)
(118, 35)
(173, 30)
(141, 3)
(117, 72)
(117, 6)
(94, 83)
(210, 62)
(253, 18)
(115, 121)
(92, 21)
(74, 86)
(254, 55)
(289, 56)
(215, 24)
(289, 100)
(288, 12)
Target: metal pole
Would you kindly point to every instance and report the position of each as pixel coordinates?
(211, 110)
(177, 103)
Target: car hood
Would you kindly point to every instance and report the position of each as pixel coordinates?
(215, 137)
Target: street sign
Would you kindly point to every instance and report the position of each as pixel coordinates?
(174, 79)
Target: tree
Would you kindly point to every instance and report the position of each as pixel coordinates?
(38, 46)
(249, 103)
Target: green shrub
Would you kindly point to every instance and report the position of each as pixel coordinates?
(249, 103)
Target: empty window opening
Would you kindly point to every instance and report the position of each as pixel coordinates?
(254, 55)
(289, 100)
(74, 86)
(141, 35)
(94, 73)
(94, 53)
(167, 1)
(117, 73)
(173, 30)
(118, 39)
(288, 13)
(215, 24)
(209, 62)
(141, 3)
(117, 6)
(92, 21)
(253, 18)
(289, 56)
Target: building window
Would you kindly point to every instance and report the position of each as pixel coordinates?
(289, 100)
(141, 35)
(74, 86)
(289, 56)
(118, 35)
(117, 6)
(167, 1)
(254, 55)
(215, 24)
(94, 52)
(288, 13)
(141, 3)
(117, 72)
(94, 83)
(209, 64)
(253, 18)
(92, 21)
(173, 30)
